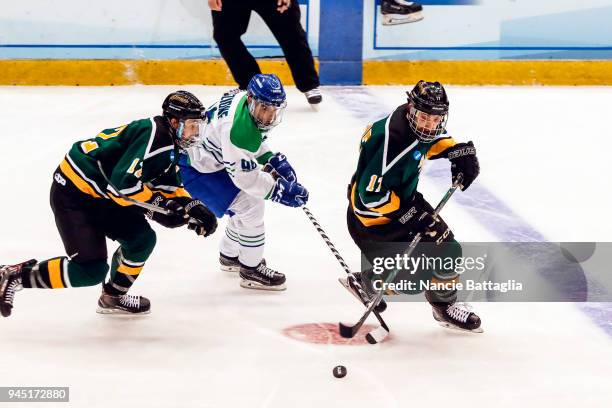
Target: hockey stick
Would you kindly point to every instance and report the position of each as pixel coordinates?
(148, 206)
(362, 295)
(141, 204)
(137, 203)
(351, 331)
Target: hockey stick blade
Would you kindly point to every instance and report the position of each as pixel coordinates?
(346, 331)
(350, 331)
(378, 335)
(381, 332)
(375, 336)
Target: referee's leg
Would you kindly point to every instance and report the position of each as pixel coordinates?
(288, 31)
(229, 25)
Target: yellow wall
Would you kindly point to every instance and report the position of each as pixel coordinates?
(489, 72)
(126, 72)
(215, 72)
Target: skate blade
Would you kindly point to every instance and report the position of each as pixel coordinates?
(254, 285)
(119, 312)
(396, 19)
(230, 269)
(447, 325)
(314, 106)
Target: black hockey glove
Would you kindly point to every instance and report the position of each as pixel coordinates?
(463, 160)
(202, 220)
(177, 217)
(418, 218)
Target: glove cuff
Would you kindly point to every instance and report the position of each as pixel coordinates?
(462, 149)
(192, 204)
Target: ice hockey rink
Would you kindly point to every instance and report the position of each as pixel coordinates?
(545, 175)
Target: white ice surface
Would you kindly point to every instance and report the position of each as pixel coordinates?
(209, 343)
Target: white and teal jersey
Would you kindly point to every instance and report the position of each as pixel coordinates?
(233, 142)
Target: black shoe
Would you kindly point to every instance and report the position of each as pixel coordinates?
(457, 316)
(261, 277)
(400, 12)
(123, 304)
(10, 282)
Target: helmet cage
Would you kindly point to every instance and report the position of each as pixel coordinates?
(427, 110)
(190, 132)
(188, 110)
(260, 110)
(416, 119)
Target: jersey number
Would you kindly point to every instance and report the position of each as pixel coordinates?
(375, 184)
(248, 165)
(90, 145)
(116, 133)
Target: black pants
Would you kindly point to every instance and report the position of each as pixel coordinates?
(84, 222)
(231, 23)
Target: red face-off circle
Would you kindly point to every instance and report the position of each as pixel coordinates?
(326, 333)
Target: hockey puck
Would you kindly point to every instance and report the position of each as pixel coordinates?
(339, 371)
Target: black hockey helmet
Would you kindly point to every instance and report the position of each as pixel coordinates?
(188, 109)
(182, 105)
(431, 100)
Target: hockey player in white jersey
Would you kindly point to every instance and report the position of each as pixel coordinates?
(226, 171)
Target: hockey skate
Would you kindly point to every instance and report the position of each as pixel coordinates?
(10, 282)
(123, 304)
(458, 316)
(400, 12)
(261, 277)
(366, 286)
(229, 264)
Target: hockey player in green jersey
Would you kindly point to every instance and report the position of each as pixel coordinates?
(226, 172)
(384, 204)
(97, 192)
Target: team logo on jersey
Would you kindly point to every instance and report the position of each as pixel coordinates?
(417, 155)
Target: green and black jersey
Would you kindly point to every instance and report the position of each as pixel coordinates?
(139, 159)
(390, 160)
